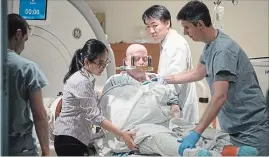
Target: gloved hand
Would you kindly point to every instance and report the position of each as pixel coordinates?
(159, 79)
(188, 141)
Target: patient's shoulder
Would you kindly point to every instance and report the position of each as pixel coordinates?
(114, 80)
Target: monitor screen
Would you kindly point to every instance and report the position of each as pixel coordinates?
(33, 9)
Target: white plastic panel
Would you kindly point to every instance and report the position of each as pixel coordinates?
(51, 55)
(52, 46)
(63, 28)
(261, 67)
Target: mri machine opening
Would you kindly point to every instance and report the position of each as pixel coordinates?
(58, 29)
(53, 39)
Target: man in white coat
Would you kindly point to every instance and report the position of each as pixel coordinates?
(175, 57)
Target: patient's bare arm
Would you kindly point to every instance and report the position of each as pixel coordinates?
(175, 105)
(175, 111)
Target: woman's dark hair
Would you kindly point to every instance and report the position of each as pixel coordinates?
(16, 22)
(158, 12)
(91, 50)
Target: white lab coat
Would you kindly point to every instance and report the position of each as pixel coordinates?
(175, 57)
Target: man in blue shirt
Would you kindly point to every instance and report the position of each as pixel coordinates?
(237, 98)
(25, 95)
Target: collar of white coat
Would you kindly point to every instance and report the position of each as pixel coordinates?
(164, 41)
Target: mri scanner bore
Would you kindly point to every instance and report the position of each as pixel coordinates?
(50, 43)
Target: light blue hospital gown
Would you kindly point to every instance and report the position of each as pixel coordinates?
(124, 78)
(162, 142)
(244, 115)
(24, 77)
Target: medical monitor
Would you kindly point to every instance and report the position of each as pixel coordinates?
(35, 12)
(33, 9)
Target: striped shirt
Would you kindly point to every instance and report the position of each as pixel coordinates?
(79, 108)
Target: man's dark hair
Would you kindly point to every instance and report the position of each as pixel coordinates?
(194, 11)
(158, 12)
(16, 22)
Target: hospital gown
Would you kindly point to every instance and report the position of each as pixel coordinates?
(143, 109)
(124, 78)
(24, 76)
(245, 114)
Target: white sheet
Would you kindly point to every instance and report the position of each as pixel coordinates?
(143, 108)
(128, 102)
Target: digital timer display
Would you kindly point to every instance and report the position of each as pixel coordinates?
(33, 9)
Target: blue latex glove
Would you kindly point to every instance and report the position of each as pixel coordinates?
(188, 141)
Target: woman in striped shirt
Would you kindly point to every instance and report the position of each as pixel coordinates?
(79, 103)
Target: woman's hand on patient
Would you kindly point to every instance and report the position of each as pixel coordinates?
(128, 139)
(127, 136)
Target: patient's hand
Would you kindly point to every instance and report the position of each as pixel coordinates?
(128, 139)
(151, 75)
(175, 111)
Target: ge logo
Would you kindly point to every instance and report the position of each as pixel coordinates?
(76, 33)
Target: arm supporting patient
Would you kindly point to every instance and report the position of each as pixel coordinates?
(217, 101)
(107, 125)
(196, 74)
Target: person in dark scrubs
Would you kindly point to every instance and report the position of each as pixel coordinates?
(237, 98)
(25, 95)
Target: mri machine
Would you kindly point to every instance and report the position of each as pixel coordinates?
(58, 29)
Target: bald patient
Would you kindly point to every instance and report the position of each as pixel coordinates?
(140, 54)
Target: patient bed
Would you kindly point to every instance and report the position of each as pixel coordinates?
(121, 109)
(128, 112)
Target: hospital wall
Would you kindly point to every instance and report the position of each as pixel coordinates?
(247, 22)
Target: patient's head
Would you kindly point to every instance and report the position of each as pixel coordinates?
(140, 54)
